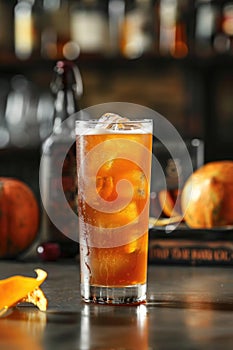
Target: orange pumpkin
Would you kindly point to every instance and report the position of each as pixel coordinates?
(19, 217)
(207, 197)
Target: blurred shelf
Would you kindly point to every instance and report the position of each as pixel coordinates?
(10, 63)
(204, 78)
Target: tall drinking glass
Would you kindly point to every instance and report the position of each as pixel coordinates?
(113, 167)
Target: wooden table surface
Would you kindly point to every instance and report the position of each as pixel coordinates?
(188, 308)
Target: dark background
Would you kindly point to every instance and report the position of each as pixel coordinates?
(189, 81)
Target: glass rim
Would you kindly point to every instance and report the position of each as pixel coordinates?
(118, 126)
(130, 121)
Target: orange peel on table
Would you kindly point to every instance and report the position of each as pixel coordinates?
(16, 289)
(154, 222)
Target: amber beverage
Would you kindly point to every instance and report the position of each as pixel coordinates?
(113, 167)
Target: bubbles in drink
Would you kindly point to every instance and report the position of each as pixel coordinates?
(111, 266)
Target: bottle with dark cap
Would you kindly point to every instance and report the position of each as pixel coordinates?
(59, 233)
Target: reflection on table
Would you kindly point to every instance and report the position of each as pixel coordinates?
(187, 308)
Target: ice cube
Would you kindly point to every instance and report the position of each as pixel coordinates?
(111, 118)
(114, 121)
(111, 121)
(105, 186)
(139, 182)
(128, 215)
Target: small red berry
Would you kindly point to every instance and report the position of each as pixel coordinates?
(49, 251)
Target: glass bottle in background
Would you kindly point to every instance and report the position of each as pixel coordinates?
(49, 36)
(56, 31)
(223, 40)
(180, 47)
(88, 26)
(116, 15)
(207, 13)
(136, 32)
(26, 37)
(67, 88)
(173, 38)
(167, 23)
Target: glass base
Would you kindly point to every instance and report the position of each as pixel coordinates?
(130, 295)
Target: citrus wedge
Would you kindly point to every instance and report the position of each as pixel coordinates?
(16, 289)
